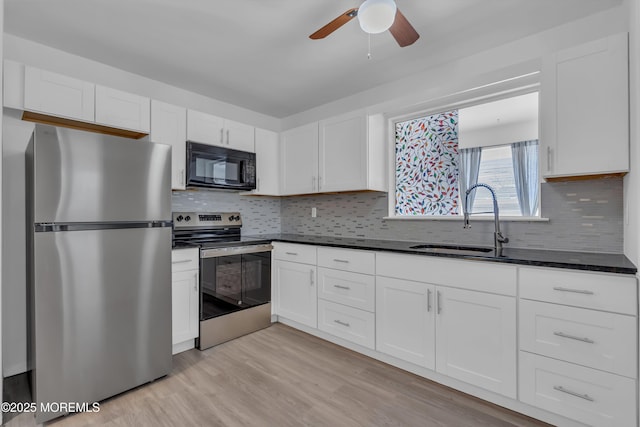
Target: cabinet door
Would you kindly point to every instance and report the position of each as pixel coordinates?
(296, 296)
(267, 162)
(169, 126)
(58, 95)
(476, 338)
(239, 136)
(585, 109)
(184, 306)
(405, 324)
(299, 160)
(120, 109)
(205, 128)
(343, 153)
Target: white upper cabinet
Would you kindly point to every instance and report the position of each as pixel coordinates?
(267, 163)
(54, 94)
(344, 153)
(209, 129)
(299, 160)
(123, 110)
(169, 126)
(584, 103)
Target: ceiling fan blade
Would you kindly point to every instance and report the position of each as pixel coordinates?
(335, 24)
(403, 31)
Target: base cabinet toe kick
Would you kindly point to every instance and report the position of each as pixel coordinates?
(558, 345)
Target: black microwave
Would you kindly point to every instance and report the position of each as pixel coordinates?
(220, 167)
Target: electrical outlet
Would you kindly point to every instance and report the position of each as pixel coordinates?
(314, 212)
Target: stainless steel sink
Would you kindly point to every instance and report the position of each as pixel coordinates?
(453, 249)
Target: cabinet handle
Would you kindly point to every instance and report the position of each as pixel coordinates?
(227, 136)
(319, 182)
(182, 176)
(346, 261)
(292, 253)
(428, 300)
(311, 276)
(257, 185)
(313, 183)
(342, 287)
(221, 136)
(182, 261)
(439, 301)
(573, 393)
(339, 322)
(195, 282)
(548, 159)
(575, 291)
(573, 337)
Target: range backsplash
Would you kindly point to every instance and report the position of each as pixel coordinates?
(260, 215)
(583, 216)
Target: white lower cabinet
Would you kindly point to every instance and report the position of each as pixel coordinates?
(583, 394)
(346, 322)
(476, 338)
(184, 298)
(405, 320)
(295, 292)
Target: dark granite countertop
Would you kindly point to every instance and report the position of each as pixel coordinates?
(603, 262)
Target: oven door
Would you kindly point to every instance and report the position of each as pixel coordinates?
(219, 167)
(235, 278)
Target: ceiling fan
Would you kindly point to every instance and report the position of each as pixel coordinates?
(375, 16)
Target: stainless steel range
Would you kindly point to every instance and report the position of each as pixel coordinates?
(235, 275)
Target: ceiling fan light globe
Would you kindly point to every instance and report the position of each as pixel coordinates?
(376, 16)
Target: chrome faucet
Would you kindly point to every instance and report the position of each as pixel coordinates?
(498, 238)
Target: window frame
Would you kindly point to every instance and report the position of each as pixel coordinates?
(521, 85)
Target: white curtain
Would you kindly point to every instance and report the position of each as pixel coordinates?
(525, 172)
(468, 175)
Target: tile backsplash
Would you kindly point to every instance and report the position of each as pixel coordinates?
(583, 216)
(260, 215)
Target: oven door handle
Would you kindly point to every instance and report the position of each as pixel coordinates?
(234, 250)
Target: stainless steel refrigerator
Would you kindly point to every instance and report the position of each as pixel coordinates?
(99, 257)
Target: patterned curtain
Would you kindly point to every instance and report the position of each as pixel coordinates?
(469, 170)
(525, 172)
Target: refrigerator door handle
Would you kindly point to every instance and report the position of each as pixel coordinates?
(85, 226)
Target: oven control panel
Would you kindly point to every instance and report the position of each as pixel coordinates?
(206, 219)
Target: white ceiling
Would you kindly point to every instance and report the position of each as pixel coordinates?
(256, 53)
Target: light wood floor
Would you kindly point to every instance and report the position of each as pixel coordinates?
(282, 377)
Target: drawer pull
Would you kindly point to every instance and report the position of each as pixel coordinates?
(438, 302)
(575, 291)
(428, 300)
(573, 393)
(340, 322)
(182, 261)
(345, 261)
(346, 288)
(291, 253)
(573, 337)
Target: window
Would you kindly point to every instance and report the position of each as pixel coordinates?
(439, 156)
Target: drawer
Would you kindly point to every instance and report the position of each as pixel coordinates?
(185, 259)
(343, 287)
(596, 339)
(347, 260)
(349, 323)
(583, 394)
(466, 274)
(305, 254)
(609, 292)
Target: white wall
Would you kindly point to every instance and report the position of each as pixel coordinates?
(39, 55)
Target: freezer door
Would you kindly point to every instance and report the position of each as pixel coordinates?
(89, 177)
(101, 313)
